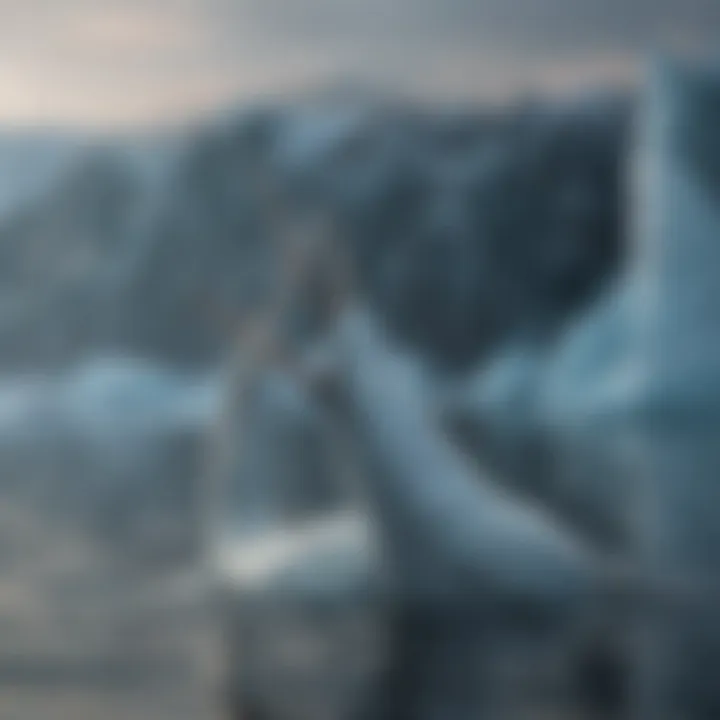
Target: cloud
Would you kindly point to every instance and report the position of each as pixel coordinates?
(146, 61)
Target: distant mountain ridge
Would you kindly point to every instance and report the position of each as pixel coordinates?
(157, 244)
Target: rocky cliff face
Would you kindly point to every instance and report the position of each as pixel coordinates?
(160, 249)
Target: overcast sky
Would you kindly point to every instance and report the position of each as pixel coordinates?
(139, 62)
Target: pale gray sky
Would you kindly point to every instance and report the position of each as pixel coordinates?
(130, 62)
